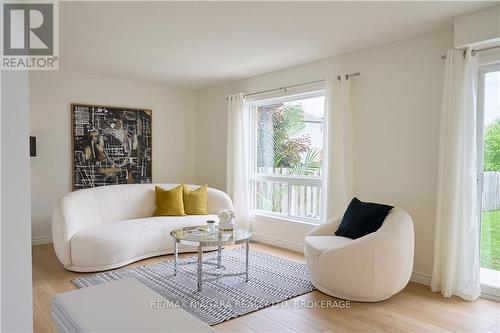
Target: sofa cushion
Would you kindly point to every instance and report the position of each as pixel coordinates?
(129, 240)
(315, 245)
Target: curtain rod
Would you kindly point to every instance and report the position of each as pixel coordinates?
(347, 76)
(474, 51)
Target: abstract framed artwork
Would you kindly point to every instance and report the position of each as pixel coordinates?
(110, 145)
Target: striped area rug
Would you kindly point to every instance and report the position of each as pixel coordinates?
(271, 280)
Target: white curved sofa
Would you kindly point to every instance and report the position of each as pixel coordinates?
(368, 269)
(111, 226)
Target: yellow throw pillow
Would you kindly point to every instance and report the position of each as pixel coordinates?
(169, 203)
(195, 202)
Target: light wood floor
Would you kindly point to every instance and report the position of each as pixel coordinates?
(415, 309)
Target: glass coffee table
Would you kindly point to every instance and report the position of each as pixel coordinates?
(200, 237)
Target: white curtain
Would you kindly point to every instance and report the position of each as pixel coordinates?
(456, 245)
(338, 183)
(237, 178)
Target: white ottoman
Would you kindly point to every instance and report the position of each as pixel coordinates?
(120, 306)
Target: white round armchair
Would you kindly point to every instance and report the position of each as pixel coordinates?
(368, 269)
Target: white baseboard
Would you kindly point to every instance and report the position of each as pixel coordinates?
(297, 247)
(487, 292)
(39, 240)
(421, 278)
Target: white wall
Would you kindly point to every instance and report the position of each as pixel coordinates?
(396, 111)
(16, 294)
(52, 92)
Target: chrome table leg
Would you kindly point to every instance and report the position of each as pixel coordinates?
(176, 256)
(200, 266)
(246, 260)
(219, 256)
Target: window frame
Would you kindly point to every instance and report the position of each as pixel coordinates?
(483, 69)
(289, 180)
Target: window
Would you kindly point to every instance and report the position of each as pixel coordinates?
(287, 156)
(489, 170)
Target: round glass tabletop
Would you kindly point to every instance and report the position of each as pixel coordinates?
(198, 235)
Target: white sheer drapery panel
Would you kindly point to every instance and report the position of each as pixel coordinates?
(237, 175)
(338, 153)
(456, 245)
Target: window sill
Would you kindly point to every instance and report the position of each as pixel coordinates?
(490, 283)
(283, 219)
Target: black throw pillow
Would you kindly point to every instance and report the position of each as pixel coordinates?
(362, 218)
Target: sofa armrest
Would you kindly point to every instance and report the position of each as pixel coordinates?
(74, 212)
(326, 229)
(217, 201)
(59, 237)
